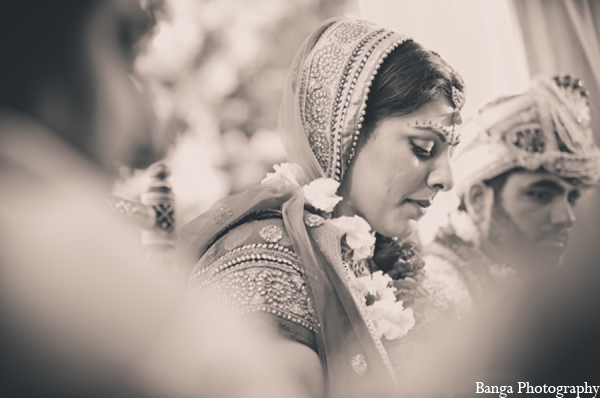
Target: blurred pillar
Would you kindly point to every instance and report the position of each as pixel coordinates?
(159, 241)
(154, 214)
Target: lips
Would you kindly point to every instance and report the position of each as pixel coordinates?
(420, 205)
(560, 239)
(424, 203)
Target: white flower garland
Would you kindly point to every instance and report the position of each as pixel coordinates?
(320, 193)
(285, 174)
(359, 236)
(388, 314)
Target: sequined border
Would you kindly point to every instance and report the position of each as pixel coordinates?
(251, 252)
(273, 261)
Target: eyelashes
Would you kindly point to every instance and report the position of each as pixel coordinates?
(541, 196)
(422, 150)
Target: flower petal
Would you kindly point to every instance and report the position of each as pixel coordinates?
(285, 174)
(391, 319)
(320, 193)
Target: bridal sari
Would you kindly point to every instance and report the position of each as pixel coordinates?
(262, 251)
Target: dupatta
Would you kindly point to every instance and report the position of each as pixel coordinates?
(321, 114)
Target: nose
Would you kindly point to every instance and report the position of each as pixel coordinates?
(562, 214)
(440, 178)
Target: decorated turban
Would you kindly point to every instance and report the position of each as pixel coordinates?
(545, 128)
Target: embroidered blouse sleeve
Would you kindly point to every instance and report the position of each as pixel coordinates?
(254, 269)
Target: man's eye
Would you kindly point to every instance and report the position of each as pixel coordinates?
(543, 197)
(422, 148)
(574, 197)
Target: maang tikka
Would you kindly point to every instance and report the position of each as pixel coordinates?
(458, 99)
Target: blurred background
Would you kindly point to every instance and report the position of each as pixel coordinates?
(214, 71)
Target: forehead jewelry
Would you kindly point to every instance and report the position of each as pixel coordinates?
(451, 137)
(458, 99)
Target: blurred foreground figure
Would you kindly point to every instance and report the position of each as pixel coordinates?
(79, 316)
(520, 169)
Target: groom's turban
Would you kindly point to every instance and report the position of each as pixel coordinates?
(545, 128)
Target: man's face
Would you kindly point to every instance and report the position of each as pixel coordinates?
(532, 216)
(120, 118)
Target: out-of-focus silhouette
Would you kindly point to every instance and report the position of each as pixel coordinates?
(79, 314)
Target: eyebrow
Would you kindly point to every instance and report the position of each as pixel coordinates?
(548, 184)
(435, 129)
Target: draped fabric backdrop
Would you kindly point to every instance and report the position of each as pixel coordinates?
(561, 36)
(481, 39)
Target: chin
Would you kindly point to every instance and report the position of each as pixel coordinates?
(542, 258)
(551, 250)
(400, 229)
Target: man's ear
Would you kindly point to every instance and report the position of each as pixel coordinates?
(479, 200)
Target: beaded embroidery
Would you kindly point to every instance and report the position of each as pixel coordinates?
(223, 214)
(359, 364)
(271, 233)
(529, 138)
(348, 33)
(259, 277)
(313, 220)
(333, 91)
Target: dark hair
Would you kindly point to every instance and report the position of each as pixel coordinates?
(496, 183)
(410, 77)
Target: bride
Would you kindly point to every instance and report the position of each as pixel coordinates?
(368, 121)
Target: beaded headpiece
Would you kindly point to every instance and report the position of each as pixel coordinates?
(334, 86)
(458, 100)
(546, 127)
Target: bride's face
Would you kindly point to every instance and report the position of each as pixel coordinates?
(399, 169)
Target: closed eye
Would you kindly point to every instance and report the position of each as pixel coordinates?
(422, 148)
(542, 196)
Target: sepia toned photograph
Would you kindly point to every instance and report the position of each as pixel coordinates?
(299, 198)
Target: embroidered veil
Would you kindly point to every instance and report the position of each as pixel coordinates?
(321, 114)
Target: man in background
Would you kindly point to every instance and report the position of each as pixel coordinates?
(79, 315)
(513, 314)
(523, 164)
